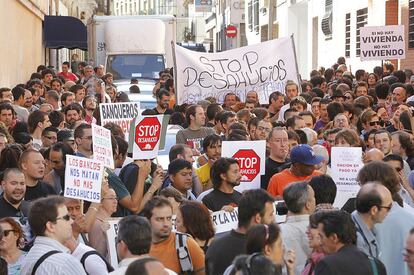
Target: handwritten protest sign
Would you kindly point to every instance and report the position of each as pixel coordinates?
(251, 156)
(120, 113)
(102, 146)
(83, 179)
(382, 42)
(264, 67)
(147, 135)
(345, 165)
(111, 235)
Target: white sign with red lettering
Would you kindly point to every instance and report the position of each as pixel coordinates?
(251, 156)
(147, 137)
(120, 113)
(102, 146)
(345, 165)
(83, 178)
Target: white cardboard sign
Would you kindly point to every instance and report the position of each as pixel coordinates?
(264, 67)
(120, 113)
(382, 42)
(345, 165)
(102, 146)
(83, 178)
(251, 156)
(111, 235)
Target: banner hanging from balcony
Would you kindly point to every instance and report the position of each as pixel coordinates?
(263, 67)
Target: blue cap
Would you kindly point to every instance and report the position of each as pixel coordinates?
(304, 154)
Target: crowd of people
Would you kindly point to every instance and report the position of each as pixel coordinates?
(165, 224)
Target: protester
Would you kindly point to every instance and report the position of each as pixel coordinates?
(255, 207)
(300, 202)
(51, 224)
(267, 239)
(303, 168)
(11, 245)
(183, 255)
(225, 175)
(97, 235)
(338, 236)
(373, 202)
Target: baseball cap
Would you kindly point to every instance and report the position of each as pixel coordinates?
(304, 154)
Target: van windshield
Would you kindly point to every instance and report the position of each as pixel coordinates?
(129, 66)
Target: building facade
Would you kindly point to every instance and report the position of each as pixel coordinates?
(22, 49)
(324, 30)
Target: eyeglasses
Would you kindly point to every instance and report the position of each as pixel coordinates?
(373, 123)
(110, 198)
(90, 137)
(385, 207)
(66, 218)
(267, 130)
(52, 137)
(7, 232)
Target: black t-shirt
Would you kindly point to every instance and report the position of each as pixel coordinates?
(223, 250)
(167, 112)
(42, 189)
(215, 200)
(8, 210)
(272, 167)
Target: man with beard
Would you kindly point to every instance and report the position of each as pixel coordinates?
(73, 113)
(225, 175)
(159, 213)
(163, 99)
(32, 165)
(89, 104)
(14, 189)
(57, 158)
(195, 133)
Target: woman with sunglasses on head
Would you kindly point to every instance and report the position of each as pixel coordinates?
(97, 235)
(267, 239)
(10, 245)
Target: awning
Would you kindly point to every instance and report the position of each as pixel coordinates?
(65, 32)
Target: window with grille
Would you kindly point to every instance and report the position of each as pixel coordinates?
(411, 23)
(361, 20)
(348, 35)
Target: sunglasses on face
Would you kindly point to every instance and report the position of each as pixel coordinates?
(373, 123)
(7, 232)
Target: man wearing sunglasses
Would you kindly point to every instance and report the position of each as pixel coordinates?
(373, 202)
(52, 225)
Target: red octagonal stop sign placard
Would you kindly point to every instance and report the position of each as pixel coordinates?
(147, 133)
(249, 163)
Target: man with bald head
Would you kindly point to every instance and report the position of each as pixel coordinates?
(373, 154)
(373, 202)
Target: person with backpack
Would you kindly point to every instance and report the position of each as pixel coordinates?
(52, 225)
(176, 251)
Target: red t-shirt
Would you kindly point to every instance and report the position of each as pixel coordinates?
(68, 76)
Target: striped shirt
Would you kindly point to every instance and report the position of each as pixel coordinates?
(59, 263)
